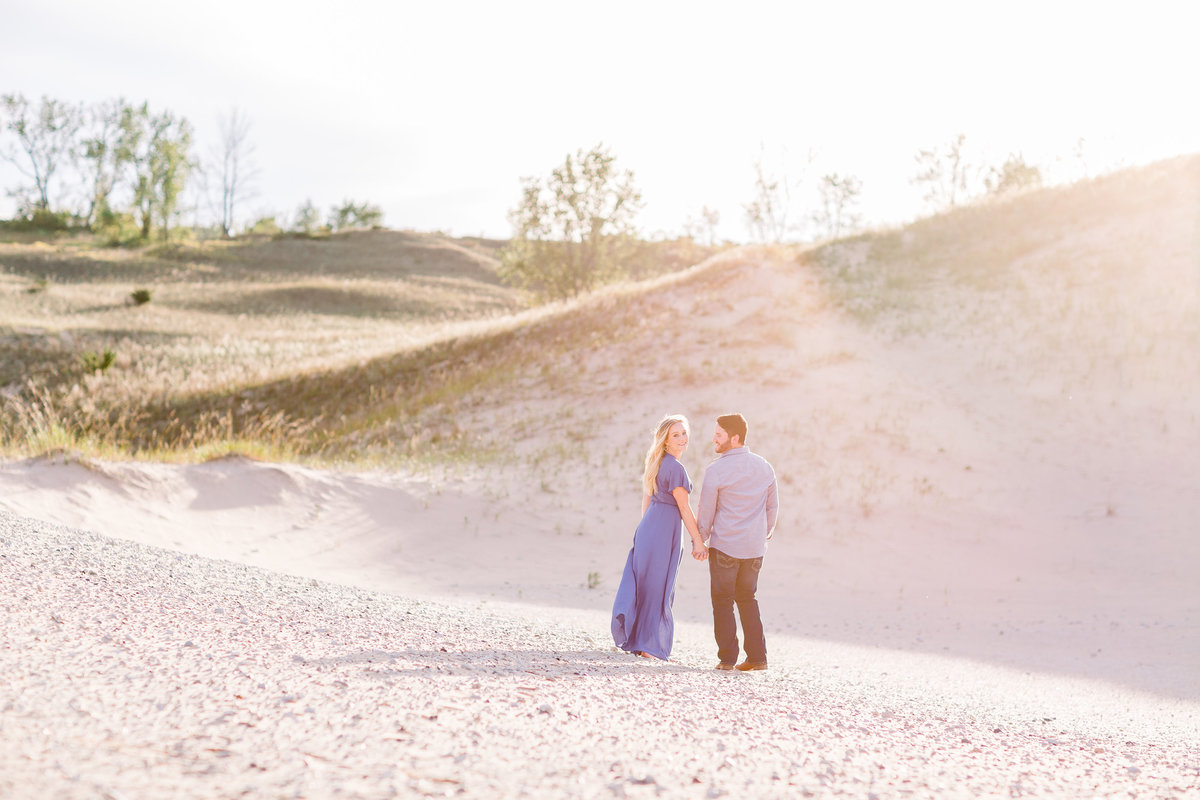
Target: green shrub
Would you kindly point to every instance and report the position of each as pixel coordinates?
(320, 234)
(40, 221)
(50, 221)
(117, 229)
(95, 362)
(355, 215)
(266, 226)
(140, 296)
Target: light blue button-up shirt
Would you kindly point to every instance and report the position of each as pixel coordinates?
(739, 503)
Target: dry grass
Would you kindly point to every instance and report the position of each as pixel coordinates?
(223, 316)
(1101, 237)
(304, 348)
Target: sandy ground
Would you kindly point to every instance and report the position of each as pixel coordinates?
(133, 671)
(1113, 602)
(273, 630)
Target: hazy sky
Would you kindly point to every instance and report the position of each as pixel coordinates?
(435, 110)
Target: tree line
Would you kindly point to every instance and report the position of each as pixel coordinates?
(945, 174)
(121, 170)
(575, 229)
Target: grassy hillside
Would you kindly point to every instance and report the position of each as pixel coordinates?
(262, 345)
(223, 314)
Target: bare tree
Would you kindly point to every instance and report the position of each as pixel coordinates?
(706, 224)
(1080, 153)
(46, 136)
(767, 215)
(839, 196)
(232, 160)
(1014, 175)
(944, 173)
(711, 218)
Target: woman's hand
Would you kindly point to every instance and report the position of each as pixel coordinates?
(699, 551)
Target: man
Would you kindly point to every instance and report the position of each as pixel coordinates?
(738, 510)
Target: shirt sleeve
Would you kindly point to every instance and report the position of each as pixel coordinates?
(772, 503)
(708, 504)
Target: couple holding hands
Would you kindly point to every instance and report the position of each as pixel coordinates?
(738, 510)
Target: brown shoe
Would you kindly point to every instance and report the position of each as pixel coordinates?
(746, 666)
(724, 666)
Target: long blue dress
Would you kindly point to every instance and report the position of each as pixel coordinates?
(642, 618)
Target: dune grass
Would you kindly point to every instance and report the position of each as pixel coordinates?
(295, 348)
(1089, 235)
(224, 315)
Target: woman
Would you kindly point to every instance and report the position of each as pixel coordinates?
(642, 622)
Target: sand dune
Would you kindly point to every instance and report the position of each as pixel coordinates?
(132, 671)
(983, 580)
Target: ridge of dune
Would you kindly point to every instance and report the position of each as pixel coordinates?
(129, 670)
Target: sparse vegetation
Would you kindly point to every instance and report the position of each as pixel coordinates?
(308, 218)
(354, 215)
(944, 173)
(264, 226)
(345, 387)
(837, 212)
(770, 216)
(1014, 175)
(355, 386)
(95, 362)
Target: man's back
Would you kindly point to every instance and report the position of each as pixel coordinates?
(739, 503)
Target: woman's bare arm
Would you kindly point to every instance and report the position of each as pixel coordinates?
(699, 551)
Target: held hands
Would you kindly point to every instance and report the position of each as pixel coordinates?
(699, 551)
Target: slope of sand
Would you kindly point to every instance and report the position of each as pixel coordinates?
(1122, 614)
(132, 671)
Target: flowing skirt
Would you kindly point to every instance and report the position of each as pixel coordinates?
(642, 618)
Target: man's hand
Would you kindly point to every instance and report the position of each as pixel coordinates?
(699, 551)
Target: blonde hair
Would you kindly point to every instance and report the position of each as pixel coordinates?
(658, 449)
